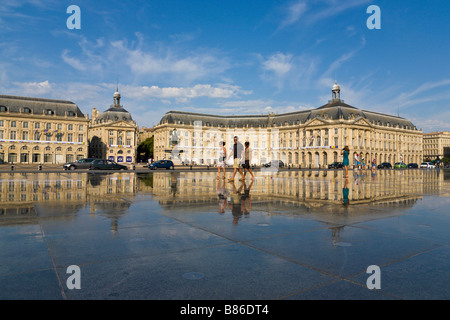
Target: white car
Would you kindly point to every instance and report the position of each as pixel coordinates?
(427, 165)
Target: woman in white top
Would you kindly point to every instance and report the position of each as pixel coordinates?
(221, 160)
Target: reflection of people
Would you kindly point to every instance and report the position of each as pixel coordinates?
(236, 154)
(247, 159)
(222, 159)
(345, 152)
(345, 192)
(235, 204)
(247, 199)
(222, 194)
(374, 165)
(356, 160)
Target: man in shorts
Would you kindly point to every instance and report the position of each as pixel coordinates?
(237, 153)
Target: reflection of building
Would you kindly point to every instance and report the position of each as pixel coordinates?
(436, 144)
(113, 134)
(25, 197)
(309, 138)
(34, 130)
(307, 188)
(59, 196)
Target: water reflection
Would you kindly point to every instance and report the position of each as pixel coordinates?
(240, 202)
(26, 196)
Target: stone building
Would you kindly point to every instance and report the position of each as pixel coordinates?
(436, 145)
(35, 130)
(310, 138)
(113, 134)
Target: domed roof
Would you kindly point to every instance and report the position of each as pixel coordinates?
(115, 112)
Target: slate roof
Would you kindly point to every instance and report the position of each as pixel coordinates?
(114, 113)
(39, 106)
(334, 110)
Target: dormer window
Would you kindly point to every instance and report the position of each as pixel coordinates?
(27, 110)
(49, 112)
(3, 109)
(71, 114)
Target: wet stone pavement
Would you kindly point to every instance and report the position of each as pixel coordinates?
(293, 234)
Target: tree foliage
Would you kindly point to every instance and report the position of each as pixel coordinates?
(145, 149)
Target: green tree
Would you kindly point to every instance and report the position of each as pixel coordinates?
(145, 149)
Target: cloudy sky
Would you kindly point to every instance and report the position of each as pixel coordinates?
(231, 57)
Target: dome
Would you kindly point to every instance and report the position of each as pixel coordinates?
(336, 87)
(115, 114)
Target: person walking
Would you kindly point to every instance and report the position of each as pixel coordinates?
(237, 155)
(247, 159)
(345, 152)
(222, 159)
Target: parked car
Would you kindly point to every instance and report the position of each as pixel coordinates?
(385, 165)
(275, 163)
(427, 165)
(336, 165)
(413, 165)
(79, 164)
(161, 164)
(103, 164)
(400, 165)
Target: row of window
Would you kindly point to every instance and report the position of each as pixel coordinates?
(36, 157)
(37, 136)
(312, 133)
(37, 125)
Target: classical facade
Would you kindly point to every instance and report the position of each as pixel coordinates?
(113, 134)
(311, 138)
(436, 145)
(35, 130)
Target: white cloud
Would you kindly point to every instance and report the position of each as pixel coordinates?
(312, 11)
(279, 63)
(183, 67)
(183, 94)
(284, 68)
(74, 63)
(294, 13)
(32, 88)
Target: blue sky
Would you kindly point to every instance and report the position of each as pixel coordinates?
(231, 57)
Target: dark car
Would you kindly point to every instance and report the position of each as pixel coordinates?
(385, 165)
(103, 164)
(275, 163)
(79, 164)
(161, 164)
(336, 165)
(413, 165)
